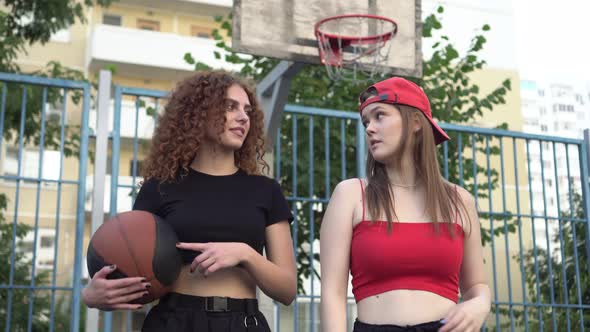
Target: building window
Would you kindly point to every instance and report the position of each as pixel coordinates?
(47, 242)
(200, 31)
(45, 247)
(544, 128)
(546, 146)
(61, 36)
(109, 19)
(543, 111)
(541, 93)
(138, 169)
(151, 25)
(30, 164)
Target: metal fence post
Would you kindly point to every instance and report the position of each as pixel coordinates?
(100, 167)
(586, 188)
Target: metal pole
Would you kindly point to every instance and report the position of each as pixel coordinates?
(100, 167)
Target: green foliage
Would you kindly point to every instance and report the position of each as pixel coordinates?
(35, 110)
(454, 98)
(25, 22)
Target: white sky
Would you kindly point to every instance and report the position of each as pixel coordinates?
(544, 40)
(553, 39)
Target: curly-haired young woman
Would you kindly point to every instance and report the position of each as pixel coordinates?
(203, 176)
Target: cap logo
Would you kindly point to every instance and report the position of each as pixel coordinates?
(385, 96)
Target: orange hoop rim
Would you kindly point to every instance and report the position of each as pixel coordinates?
(367, 39)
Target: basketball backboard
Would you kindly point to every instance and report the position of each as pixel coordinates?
(284, 29)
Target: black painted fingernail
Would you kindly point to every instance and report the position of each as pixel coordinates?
(148, 286)
(113, 267)
(143, 280)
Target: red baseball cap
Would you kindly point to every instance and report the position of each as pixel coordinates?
(399, 91)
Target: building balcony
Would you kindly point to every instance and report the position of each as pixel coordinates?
(149, 54)
(127, 124)
(195, 7)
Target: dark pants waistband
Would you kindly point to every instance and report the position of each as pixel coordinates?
(424, 327)
(210, 304)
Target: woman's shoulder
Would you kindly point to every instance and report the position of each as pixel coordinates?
(262, 183)
(350, 188)
(350, 184)
(464, 194)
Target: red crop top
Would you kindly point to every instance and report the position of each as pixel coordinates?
(413, 256)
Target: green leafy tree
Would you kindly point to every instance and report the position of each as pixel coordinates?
(25, 22)
(454, 98)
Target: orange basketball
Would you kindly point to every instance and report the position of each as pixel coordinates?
(140, 244)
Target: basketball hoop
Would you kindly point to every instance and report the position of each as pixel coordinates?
(355, 47)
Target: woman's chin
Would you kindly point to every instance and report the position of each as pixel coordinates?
(381, 157)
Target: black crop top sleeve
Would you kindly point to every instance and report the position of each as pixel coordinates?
(148, 198)
(279, 210)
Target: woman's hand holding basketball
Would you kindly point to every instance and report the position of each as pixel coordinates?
(106, 294)
(215, 256)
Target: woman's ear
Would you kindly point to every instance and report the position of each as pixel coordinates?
(416, 123)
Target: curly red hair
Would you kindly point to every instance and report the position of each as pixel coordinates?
(196, 103)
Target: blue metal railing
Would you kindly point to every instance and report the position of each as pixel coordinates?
(9, 84)
(537, 254)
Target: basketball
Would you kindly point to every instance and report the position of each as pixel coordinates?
(140, 244)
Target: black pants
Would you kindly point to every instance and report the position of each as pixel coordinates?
(186, 313)
(424, 327)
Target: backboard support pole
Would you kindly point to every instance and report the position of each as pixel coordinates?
(272, 91)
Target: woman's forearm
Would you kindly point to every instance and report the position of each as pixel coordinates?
(333, 313)
(278, 283)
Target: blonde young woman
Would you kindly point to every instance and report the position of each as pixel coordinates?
(410, 239)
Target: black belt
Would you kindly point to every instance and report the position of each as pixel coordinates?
(214, 304)
(211, 303)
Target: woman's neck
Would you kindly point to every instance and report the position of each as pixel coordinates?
(214, 160)
(403, 175)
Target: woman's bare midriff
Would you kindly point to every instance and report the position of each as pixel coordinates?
(232, 282)
(403, 307)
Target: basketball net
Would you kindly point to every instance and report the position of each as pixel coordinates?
(356, 47)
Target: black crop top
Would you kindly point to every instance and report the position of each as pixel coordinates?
(209, 208)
